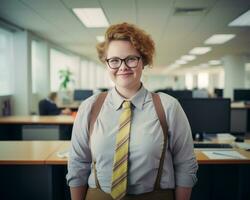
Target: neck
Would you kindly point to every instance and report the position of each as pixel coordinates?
(127, 93)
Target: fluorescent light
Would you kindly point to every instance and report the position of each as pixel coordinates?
(200, 50)
(242, 20)
(181, 62)
(91, 17)
(219, 38)
(188, 57)
(214, 62)
(173, 66)
(204, 65)
(100, 38)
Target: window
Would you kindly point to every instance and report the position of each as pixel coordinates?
(189, 81)
(94, 76)
(6, 59)
(61, 61)
(35, 64)
(203, 80)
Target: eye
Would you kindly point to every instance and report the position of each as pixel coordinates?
(131, 59)
(114, 60)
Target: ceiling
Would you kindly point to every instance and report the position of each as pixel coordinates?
(175, 35)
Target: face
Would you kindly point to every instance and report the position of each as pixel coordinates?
(124, 77)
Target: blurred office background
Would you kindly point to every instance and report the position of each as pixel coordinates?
(40, 38)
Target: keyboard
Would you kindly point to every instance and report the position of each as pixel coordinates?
(213, 145)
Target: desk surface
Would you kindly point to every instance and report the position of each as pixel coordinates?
(34, 119)
(73, 105)
(239, 105)
(45, 152)
(53, 159)
(201, 158)
(27, 152)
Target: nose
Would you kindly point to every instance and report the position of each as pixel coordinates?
(123, 66)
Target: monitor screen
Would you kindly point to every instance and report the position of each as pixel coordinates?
(200, 93)
(241, 95)
(218, 92)
(207, 115)
(179, 94)
(80, 95)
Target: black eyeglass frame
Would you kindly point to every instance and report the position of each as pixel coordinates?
(123, 60)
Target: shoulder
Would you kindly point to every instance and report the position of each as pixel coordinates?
(88, 102)
(168, 101)
(43, 101)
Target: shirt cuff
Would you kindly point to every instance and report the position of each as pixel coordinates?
(76, 181)
(185, 180)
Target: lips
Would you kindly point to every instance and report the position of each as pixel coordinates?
(125, 74)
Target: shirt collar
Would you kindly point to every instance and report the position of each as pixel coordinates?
(137, 100)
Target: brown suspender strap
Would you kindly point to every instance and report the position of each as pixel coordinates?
(162, 118)
(95, 110)
(96, 107)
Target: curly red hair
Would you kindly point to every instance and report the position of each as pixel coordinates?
(140, 40)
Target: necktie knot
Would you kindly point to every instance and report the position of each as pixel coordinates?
(126, 104)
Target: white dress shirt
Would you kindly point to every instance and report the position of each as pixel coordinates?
(145, 145)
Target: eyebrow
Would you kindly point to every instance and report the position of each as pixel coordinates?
(123, 58)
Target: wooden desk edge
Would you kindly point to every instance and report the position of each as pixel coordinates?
(22, 162)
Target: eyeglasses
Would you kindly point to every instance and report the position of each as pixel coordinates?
(130, 61)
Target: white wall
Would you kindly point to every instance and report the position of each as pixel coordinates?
(40, 77)
(22, 74)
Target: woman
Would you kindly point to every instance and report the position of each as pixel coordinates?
(104, 166)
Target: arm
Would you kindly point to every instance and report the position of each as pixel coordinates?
(184, 160)
(182, 193)
(78, 193)
(79, 162)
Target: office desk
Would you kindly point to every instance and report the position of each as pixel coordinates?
(59, 119)
(217, 179)
(27, 152)
(35, 171)
(53, 159)
(20, 127)
(202, 159)
(25, 174)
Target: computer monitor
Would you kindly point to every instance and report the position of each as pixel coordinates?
(80, 95)
(218, 92)
(179, 94)
(200, 93)
(207, 115)
(241, 95)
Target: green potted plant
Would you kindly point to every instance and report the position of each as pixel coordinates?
(65, 95)
(65, 76)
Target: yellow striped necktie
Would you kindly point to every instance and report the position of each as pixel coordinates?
(120, 164)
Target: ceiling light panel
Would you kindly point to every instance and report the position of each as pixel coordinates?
(91, 17)
(242, 20)
(181, 62)
(200, 50)
(219, 38)
(188, 57)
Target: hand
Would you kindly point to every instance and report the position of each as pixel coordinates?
(66, 111)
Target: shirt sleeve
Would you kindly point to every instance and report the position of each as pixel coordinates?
(79, 162)
(181, 147)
